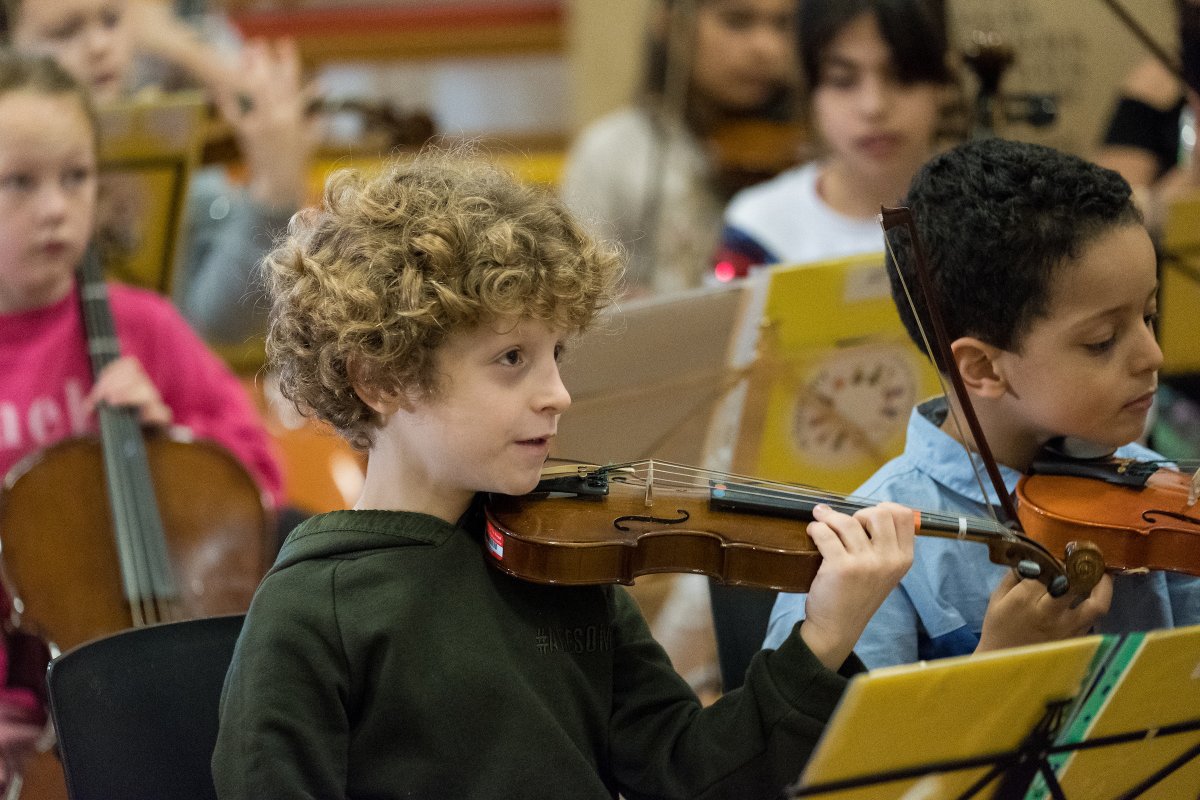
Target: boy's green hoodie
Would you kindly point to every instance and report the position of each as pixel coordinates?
(383, 657)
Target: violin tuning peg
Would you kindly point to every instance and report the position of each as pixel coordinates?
(1028, 569)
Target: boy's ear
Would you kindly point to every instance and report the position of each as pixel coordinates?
(382, 403)
(976, 362)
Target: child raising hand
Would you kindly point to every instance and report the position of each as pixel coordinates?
(423, 313)
(228, 227)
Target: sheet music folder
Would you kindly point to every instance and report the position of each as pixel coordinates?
(149, 148)
(646, 380)
(1117, 717)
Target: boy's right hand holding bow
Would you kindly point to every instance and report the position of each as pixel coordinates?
(863, 558)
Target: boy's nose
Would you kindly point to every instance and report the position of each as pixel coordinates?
(770, 44)
(98, 41)
(54, 200)
(555, 397)
(872, 95)
(1149, 356)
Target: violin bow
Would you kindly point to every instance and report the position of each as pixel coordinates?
(1146, 39)
(891, 218)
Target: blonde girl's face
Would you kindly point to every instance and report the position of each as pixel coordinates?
(47, 196)
(744, 51)
(874, 125)
(91, 39)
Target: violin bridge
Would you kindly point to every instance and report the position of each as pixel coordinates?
(1194, 489)
(649, 485)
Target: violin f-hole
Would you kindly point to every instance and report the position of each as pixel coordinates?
(617, 523)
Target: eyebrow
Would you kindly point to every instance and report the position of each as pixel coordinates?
(1099, 315)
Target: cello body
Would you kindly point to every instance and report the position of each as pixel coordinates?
(60, 565)
(56, 531)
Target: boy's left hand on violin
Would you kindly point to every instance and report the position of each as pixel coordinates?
(863, 558)
(1022, 612)
(123, 383)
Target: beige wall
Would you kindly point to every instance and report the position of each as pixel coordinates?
(605, 43)
(1077, 49)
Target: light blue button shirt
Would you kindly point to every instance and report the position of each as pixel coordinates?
(937, 610)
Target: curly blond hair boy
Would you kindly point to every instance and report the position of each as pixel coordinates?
(423, 313)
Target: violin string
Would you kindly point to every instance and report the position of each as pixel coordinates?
(983, 528)
(950, 410)
(692, 477)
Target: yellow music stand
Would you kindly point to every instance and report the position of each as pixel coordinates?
(1097, 718)
(1151, 690)
(148, 149)
(1179, 292)
(836, 378)
(934, 730)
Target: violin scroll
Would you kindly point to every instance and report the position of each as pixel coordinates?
(1084, 567)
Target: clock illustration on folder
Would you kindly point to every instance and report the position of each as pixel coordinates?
(853, 404)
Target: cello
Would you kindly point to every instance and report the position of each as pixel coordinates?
(176, 529)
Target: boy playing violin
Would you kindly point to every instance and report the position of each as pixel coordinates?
(423, 313)
(1046, 277)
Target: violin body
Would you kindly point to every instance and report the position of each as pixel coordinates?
(1145, 520)
(558, 540)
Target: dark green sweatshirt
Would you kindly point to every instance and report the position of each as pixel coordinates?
(383, 657)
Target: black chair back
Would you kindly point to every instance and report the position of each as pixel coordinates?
(136, 712)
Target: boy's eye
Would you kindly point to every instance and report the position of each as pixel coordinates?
(76, 177)
(838, 77)
(511, 357)
(65, 31)
(560, 350)
(737, 19)
(1151, 319)
(17, 182)
(1102, 347)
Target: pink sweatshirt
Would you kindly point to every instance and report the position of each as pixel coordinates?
(45, 376)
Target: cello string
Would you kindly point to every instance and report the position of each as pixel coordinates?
(131, 564)
(136, 522)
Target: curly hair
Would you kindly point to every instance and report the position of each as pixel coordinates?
(999, 221)
(366, 285)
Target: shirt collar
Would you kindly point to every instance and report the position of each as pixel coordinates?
(944, 459)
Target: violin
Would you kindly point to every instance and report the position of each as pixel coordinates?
(396, 128)
(749, 150)
(586, 524)
(1141, 514)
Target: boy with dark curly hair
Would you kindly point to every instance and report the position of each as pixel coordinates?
(1046, 278)
(423, 313)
